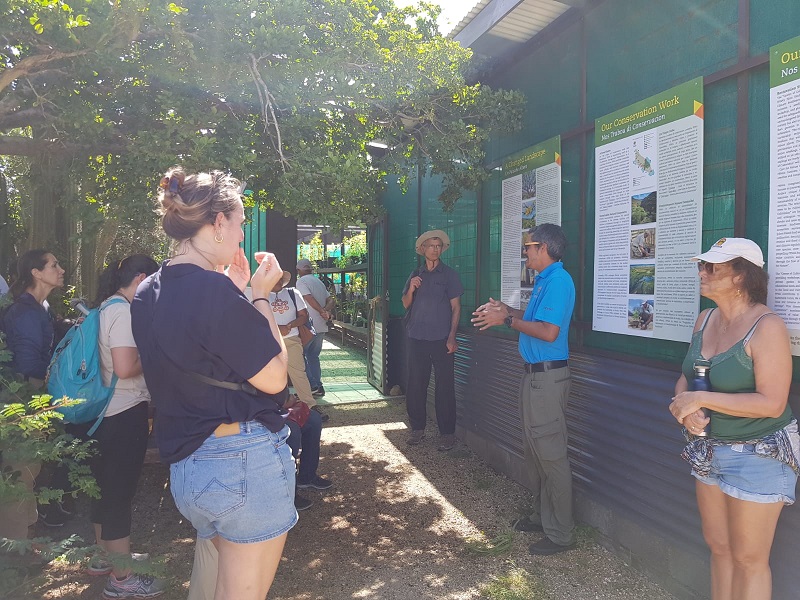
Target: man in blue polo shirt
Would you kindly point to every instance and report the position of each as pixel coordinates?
(543, 344)
(432, 299)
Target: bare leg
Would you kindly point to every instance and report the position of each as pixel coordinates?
(714, 513)
(246, 571)
(120, 546)
(752, 530)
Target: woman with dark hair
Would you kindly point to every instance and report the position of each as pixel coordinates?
(746, 469)
(216, 367)
(28, 322)
(28, 325)
(122, 434)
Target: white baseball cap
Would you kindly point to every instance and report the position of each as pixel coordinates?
(726, 249)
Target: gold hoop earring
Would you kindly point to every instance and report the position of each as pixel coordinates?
(218, 238)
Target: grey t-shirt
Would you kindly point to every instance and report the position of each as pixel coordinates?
(310, 285)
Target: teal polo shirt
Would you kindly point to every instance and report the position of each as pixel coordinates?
(552, 301)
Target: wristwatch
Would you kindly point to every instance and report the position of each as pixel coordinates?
(508, 320)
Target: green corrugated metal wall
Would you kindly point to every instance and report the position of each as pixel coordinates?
(665, 43)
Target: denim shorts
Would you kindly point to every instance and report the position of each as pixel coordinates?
(741, 473)
(240, 487)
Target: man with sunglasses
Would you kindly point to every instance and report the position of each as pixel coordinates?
(543, 344)
(432, 299)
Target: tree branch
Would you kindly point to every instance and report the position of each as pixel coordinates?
(31, 64)
(21, 146)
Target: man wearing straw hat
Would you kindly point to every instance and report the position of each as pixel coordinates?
(432, 299)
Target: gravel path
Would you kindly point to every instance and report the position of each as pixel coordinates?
(396, 526)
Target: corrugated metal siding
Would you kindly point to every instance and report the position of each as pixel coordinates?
(624, 445)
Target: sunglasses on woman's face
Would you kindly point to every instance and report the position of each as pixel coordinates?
(705, 266)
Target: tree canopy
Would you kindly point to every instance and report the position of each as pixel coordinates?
(313, 102)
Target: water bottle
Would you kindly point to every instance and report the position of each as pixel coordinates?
(702, 383)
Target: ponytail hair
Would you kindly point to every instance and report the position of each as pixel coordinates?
(32, 259)
(120, 274)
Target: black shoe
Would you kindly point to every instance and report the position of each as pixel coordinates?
(53, 517)
(526, 525)
(318, 392)
(324, 416)
(546, 547)
(302, 503)
(318, 483)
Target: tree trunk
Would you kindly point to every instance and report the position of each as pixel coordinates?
(6, 230)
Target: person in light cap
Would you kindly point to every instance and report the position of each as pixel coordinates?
(432, 299)
(319, 303)
(746, 465)
(727, 249)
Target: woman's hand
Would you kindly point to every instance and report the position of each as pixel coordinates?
(685, 404)
(267, 275)
(696, 422)
(239, 270)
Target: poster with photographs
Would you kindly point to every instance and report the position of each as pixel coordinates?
(648, 217)
(531, 195)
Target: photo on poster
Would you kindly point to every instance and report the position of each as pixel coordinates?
(642, 279)
(640, 313)
(528, 213)
(526, 275)
(524, 297)
(643, 208)
(529, 184)
(643, 243)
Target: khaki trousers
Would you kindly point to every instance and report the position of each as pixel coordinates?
(297, 370)
(17, 514)
(543, 399)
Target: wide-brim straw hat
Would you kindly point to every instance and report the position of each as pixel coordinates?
(433, 233)
(285, 278)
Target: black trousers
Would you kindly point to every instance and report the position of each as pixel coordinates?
(121, 445)
(422, 355)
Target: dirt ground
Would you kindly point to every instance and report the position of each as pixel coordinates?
(395, 526)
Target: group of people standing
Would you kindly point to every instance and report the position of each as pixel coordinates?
(216, 365)
(742, 439)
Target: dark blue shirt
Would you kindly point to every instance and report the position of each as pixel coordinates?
(552, 301)
(185, 318)
(29, 335)
(430, 311)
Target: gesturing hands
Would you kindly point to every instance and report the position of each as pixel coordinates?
(490, 314)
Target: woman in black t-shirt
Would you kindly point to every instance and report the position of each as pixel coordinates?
(215, 365)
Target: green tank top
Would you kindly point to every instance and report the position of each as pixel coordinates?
(732, 372)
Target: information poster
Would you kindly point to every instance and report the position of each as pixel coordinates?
(648, 217)
(531, 195)
(784, 196)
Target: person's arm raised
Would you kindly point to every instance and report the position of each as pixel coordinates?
(273, 377)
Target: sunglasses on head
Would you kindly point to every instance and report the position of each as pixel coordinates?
(532, 244)
(705, 266)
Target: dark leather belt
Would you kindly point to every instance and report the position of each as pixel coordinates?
(545, 365)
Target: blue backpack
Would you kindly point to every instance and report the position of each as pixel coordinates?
(75, 373)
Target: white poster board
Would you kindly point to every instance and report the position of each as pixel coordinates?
(784, 177)
(531, 195)
(648, 215)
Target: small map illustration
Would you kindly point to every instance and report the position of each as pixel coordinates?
(643, 162)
